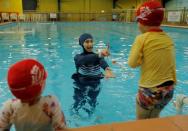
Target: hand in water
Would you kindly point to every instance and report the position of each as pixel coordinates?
(109, 73)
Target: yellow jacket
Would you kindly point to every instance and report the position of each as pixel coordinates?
(155, 53)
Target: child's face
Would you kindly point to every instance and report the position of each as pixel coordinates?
(88, 45)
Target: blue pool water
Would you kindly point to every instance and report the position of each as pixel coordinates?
(55, 44)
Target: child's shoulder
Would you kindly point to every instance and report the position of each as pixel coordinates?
(49, 99)
(141, 37)
(49, 102)
(11, 103)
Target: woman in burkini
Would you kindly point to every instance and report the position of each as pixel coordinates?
(88, 74)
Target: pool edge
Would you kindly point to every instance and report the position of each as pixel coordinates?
(173, 123)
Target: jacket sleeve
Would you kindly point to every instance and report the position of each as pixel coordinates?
(76, 62)
(136, 53)
(103, 63)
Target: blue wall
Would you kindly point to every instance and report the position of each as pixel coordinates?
(176, 4)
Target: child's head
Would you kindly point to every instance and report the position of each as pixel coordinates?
(86, 41)
(26, 79)
(150, 13)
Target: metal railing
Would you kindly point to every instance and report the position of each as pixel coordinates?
(176, 17)
(30, 16)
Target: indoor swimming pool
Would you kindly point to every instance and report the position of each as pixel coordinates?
(56, 44)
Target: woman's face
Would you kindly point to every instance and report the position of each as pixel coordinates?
(88, 45)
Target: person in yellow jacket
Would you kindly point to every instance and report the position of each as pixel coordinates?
(154, 52)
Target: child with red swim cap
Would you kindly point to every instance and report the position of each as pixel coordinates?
(30, 111)
(153, 51)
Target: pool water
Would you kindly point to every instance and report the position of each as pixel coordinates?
(55, 45)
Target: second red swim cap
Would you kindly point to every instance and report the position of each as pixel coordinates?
(25, 79)
(150, 13)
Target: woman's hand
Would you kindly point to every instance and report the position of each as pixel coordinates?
(104, 53)
(109, 73)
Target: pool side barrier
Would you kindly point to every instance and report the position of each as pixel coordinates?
(174, 123)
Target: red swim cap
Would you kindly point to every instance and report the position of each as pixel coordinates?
(25, 79)
(150, 13)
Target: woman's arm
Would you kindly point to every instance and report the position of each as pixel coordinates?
(109, 73)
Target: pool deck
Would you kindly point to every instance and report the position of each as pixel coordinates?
(175, 123)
